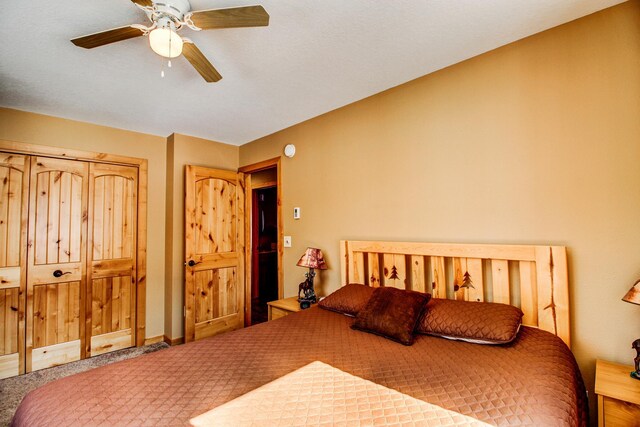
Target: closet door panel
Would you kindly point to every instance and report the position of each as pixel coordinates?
(112, 259)
(14, 182)
(56, 262)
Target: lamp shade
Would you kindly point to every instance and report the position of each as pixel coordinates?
(633, 296)
(313, 258)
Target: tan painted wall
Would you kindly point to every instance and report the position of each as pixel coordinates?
(185, 150)
(535, 142)
(46, 130)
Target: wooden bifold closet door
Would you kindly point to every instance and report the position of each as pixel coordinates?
(56, 267)
(111, 275)
(14, 192)
(68, 254)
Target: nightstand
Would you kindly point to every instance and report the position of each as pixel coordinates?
(618, 395)
(283, 307)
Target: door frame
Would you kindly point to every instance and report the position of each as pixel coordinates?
(248, 170)
(89, 156)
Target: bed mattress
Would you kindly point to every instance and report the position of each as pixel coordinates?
(532, 381)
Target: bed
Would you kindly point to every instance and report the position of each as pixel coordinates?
(533, 380)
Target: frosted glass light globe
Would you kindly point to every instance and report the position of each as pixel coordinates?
(165, 42)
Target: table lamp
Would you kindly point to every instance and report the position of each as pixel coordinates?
(633, 296)
(312, 259)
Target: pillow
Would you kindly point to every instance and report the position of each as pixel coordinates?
(392, 313)
(348, 299)
(477, 322)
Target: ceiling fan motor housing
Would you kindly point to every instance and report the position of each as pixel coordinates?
(166, 22)
(176, 9)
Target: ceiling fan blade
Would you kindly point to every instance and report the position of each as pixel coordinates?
(199, 62)
(248, 16)
(106, 37)
(143, 3)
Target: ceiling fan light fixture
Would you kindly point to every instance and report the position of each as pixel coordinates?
(165, 42)
(168, 17)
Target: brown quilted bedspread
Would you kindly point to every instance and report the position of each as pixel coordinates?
(533, 381)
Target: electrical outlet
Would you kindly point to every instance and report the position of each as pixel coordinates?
(287, 241)
(296, 213)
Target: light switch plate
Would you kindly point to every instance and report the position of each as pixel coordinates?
(287, 241)
(296, 213)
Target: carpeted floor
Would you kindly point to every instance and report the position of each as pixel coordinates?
(14, 389)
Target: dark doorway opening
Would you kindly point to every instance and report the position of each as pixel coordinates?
(264, 277)
(264, 175)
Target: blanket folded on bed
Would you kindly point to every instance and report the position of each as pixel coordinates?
(319, 394)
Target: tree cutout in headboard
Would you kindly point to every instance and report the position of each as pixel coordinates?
(394, 273)
(467, 283)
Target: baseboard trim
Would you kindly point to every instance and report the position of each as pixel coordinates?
(174, 341)
(153, 340)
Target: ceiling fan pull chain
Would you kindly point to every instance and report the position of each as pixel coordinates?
(169, 61)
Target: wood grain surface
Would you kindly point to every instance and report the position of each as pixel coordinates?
(534, 278)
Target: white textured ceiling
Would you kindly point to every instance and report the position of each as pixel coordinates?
(314, 57)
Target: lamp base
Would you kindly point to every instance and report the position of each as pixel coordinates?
(306, 302)
(636, 346)
(306, 294)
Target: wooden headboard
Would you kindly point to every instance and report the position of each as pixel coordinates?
(533, 278)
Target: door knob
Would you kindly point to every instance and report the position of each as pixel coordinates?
(59, 273)
(192, 263)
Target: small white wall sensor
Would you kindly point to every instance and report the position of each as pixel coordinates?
(290, 150)
(287, 241)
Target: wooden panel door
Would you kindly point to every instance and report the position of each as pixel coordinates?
(111, 270)
(14, 193)
(214, 252)
(56, 265)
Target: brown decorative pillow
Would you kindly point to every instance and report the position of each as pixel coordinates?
(392, 313)
(477, 322)
(348, 299)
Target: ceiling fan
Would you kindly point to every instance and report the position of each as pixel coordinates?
(167, 18)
